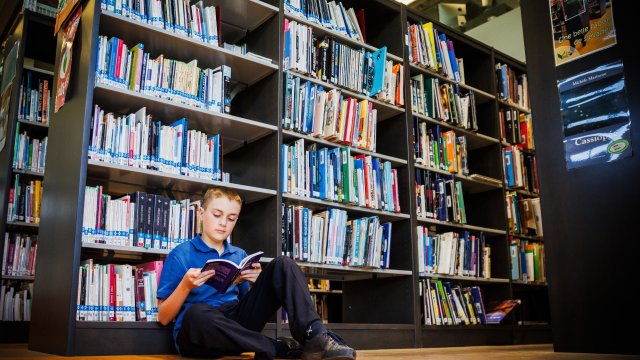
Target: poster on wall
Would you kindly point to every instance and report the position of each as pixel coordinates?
(65, 8)
(64, 69)
(581, 27)
(8, 73)
(595, 116)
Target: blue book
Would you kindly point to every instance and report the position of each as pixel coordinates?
(322, 173)
(515, 263)
(379, 67)
(508, 167)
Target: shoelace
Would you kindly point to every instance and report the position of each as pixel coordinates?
(336, 337)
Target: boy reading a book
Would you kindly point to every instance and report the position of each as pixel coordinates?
(210, 323)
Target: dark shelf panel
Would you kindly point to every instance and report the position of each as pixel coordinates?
(18, 277)
(317, 204)
(363, 336)
(514, 106)
(26, 172)
(474, 139)
(13, 332)
(23, 224)
(486, 230)
(385, 110)
(244, 68)
(521, 283)
(331, 292)
(527, 237)
(479, 280)
(523, 192)
(33, 123)
(469, 185)
(245, 14)
(125, 249)
(38, 70)
(290, 136)
(348, 273)
(155, 179)
(236, 131)
(322, 31)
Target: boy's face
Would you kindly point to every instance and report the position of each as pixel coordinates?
(219, 219)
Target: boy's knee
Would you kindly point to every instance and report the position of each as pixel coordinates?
(284, 261)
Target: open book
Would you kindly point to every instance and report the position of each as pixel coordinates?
(227, 271)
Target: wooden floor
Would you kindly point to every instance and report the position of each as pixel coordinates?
(520, 352)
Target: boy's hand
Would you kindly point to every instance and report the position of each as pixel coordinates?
(252, 274)
(195, 278)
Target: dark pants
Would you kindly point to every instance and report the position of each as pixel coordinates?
(235, 328)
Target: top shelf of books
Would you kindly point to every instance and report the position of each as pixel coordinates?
(186, 46)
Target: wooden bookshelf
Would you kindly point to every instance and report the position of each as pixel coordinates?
(253, 135)
(34, 58)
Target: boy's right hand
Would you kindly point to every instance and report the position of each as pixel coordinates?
(195, 278)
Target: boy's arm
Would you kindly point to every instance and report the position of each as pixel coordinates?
(169, 308)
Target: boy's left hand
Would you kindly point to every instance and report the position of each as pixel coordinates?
(252, 274)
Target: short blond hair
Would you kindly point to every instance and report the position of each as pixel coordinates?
(218, 192)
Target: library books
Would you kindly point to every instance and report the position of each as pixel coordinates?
(117, 292)
(185, 83)
(498, 310)
(15, 301)
(444, 303)
(19, 254)
(328, 237)
(139, 220)
(25, 200)
(452, 253)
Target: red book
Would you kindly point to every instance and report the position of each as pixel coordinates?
(140, 269)
(360, 16)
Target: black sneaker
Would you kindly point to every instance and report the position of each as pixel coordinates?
(288, 348)
(327, 346)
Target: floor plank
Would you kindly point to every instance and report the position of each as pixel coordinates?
(517, 352)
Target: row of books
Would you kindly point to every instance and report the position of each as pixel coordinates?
(335, 175)
(439, 197)
(118, 292)
(516, 128)
(331, 15)
(185, 83)
(453, 253)
(523, 215)
(19, 254)
(196, 21)
(321, 302)
(34, 100)
(447, 304)
(329, 237)
(512, 88)
(311, 109)
(138, 141)
(25, 198)
(15, 301)
(29, 153)
(520, 170)
(444, 102)
(138, 220)
(327, 59)
(527, 260)
(440, 150)
(431, 49)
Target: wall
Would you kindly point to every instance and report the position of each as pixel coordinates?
(589, 214)
(503, 33)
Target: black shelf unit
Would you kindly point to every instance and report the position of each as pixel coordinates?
(252, 157)
(36, 52)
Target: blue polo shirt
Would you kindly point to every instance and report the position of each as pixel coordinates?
(193, 254)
